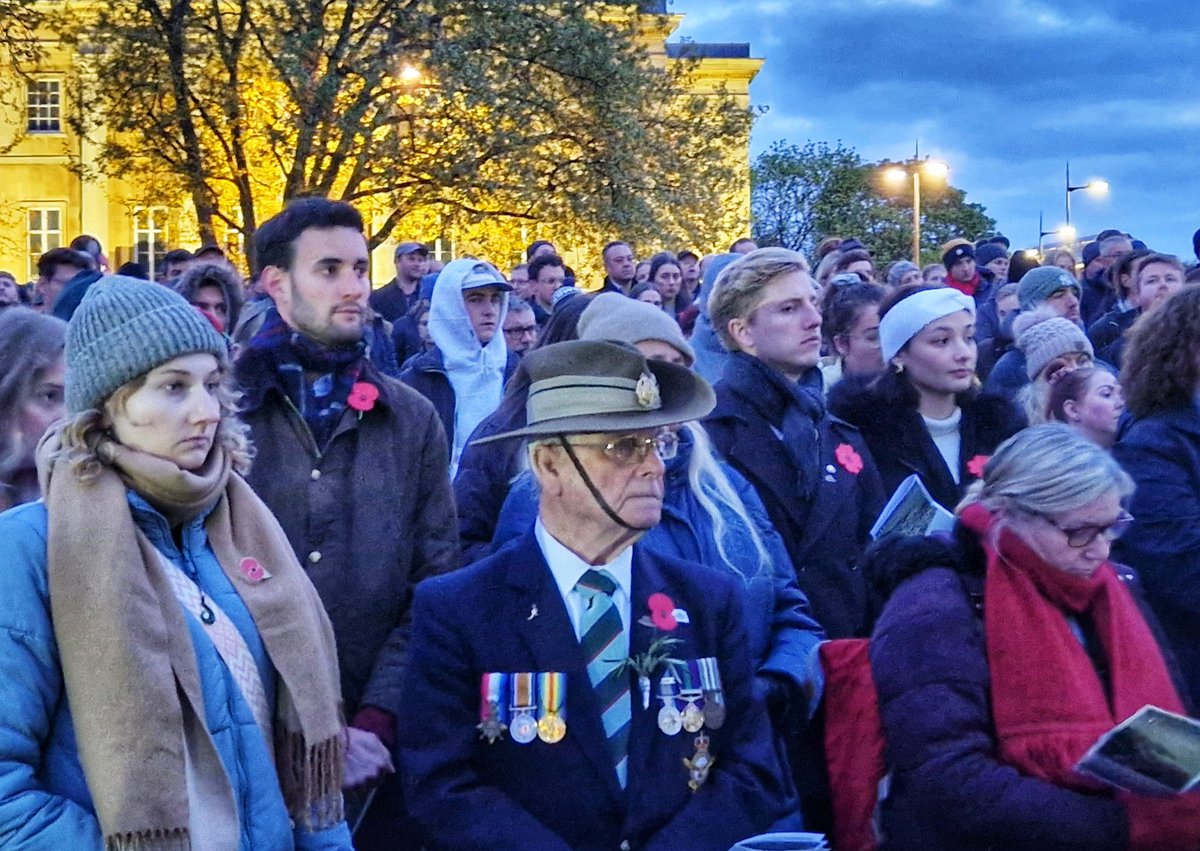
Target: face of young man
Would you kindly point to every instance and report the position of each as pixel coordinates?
(784, 328)
(549, 279)
(964, 270)
(411, 267)
(483, 306)
(324, 293)
(1157, 282)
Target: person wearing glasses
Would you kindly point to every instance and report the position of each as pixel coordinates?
(1161, 450)
(924, 414)
(520, 326)
(1002, 655)
(850, 323)
(545, 685)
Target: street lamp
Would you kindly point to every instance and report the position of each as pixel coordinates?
(1065, 233)
(915, 167)
(1096, 187)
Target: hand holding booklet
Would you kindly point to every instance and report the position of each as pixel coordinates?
(912, 511)
(1153, 752)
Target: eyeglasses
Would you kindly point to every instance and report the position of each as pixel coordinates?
(1081, 536)
(629, 449)
(521, 330)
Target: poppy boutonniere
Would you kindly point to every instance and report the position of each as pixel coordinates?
(848, 458)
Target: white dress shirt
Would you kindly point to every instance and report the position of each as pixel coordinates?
(568, 568)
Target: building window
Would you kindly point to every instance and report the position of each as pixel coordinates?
(150, 238)
(43, 231)
(44, 106)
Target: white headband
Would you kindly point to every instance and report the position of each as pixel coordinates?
(909, 316)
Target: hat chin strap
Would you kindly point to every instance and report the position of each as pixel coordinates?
(603, 503)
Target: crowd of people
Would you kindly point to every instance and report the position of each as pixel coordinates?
(488, 559)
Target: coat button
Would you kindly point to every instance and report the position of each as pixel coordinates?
(624, 845)
(314, 556)
(316, 474)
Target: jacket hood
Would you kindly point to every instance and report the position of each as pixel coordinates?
(450, 327)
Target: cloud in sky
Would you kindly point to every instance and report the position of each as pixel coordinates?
(1006, 91)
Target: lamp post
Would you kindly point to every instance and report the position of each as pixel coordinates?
(915, 167)
(1065, 233)
(1096, 187)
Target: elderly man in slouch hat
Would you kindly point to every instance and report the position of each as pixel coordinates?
(572, 691)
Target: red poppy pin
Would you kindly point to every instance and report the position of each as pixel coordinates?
(253, 570)
(975, 465)
(362, 397)
(662, 612)
(848, 458)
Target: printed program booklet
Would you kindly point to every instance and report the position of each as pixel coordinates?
(1153, 752)
(912, 511)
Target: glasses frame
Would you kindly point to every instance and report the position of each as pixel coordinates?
(665, 444)
(1111, 532)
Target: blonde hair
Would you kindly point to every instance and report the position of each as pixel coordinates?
(81, 434)
(738, 288)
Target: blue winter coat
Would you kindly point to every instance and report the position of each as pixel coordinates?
(44, 799)
(781, 630)
(1162, 453)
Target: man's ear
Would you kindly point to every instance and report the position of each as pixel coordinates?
(739, 330)
(547, 461)
(272, 280)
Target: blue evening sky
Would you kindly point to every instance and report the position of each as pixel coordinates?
(1004, 91)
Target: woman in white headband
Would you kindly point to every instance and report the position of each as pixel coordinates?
(924, 414)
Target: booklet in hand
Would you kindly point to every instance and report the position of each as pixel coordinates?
(1153, 752)
(912, 511)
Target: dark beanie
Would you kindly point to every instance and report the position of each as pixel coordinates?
(955, 250)
(1090, 252)
(988, 252)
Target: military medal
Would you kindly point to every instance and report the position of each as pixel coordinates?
(551, 728)
(714, 694)
(491, 725)
(669, 719)
(523, 728)
(693, 718)
(700, 764)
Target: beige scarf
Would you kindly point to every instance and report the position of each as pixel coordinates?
(129, 668)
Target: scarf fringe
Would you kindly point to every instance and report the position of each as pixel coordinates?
(311, 779)
(176, 839)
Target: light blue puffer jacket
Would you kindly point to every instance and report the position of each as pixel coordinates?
(44, 799)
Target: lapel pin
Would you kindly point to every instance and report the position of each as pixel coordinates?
(533, 612)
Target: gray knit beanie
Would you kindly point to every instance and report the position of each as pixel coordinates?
(1041, 282)
(618, 318)
(124, 328)
(1044, 335)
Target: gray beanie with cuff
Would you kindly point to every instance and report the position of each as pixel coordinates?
(618, 318)
(125, 327)
(1041, 282)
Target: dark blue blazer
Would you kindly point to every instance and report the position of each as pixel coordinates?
(469, 794)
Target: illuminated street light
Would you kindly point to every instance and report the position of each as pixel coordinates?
(1094, 187)
(410, 75)
(915, 167)
(1065, 233)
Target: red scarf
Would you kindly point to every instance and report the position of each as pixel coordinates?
(1048, 703)
(969, 288)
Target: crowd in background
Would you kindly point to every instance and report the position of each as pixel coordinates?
(372, 439)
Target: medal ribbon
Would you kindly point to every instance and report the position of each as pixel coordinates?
(691, 675)
(523, 691)
(491, 693)
(550, 684)
(710, 675)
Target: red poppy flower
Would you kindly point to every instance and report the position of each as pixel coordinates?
(252, 570)
(362, 396)
(662, 610)
(848, 458)
(975, 465)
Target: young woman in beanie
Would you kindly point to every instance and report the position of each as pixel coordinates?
(170, 675)
(924, 414)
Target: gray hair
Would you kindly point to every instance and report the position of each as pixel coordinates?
(899, 269)
(1045, 470)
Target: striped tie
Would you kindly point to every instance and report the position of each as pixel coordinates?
(605, 646)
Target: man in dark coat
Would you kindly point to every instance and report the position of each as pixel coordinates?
(526, 725)
(813, 472)
(398, 296)
(353, 465)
